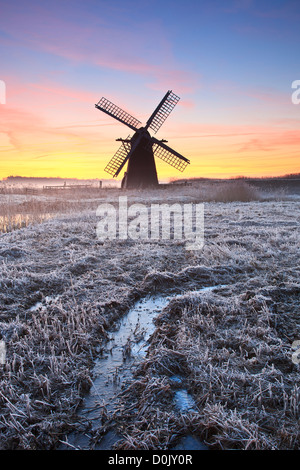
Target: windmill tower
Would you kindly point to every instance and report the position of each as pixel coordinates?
(140, 150)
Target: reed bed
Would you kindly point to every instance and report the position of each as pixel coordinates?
(234, 362)
(18, 209)
(62, 291)
(47, 372)
(16, 213)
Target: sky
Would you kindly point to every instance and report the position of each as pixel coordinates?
(232, 63)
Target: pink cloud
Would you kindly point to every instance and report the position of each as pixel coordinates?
(17, 121)
(268, 94)
(188, 104)
(158, 77)
(104, 45)
(66, 93)
(236, 139)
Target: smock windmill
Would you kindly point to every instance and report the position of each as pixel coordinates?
(140, 150)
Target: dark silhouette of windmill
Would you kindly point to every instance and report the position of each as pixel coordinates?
(140, 149)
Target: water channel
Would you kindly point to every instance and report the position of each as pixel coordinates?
(126, 349)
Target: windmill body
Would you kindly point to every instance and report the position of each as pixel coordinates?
(140, 150)
(141, 169)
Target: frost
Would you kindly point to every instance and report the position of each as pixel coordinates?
(62, 292)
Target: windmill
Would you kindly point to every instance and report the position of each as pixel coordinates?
(140, 149)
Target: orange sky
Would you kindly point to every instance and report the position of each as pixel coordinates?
(47, 130)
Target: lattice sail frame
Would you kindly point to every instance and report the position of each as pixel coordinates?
(155, 121)
(163, 110)
(168, 156)
(115, 165)
(112, 110)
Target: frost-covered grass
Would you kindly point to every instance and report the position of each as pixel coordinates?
(19, 209)
(62, 289)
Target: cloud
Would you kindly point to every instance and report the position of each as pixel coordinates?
(65, 94)
(38, 157)
(255, 145)
(140, 48)
(272, 141)
(188, 104)
(25, 130)
(18, 122)
(269, 95)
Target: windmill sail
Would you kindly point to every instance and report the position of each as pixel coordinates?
(119, 159)
(140, 150)
(162, 111)
(114, 111)
(169, 155)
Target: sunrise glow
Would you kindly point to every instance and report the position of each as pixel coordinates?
(232, 64)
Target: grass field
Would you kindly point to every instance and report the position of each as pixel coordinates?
(62, 290)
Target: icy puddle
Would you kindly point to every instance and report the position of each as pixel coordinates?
(41, 305)
(126, 348)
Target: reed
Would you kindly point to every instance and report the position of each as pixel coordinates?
(62, 291)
